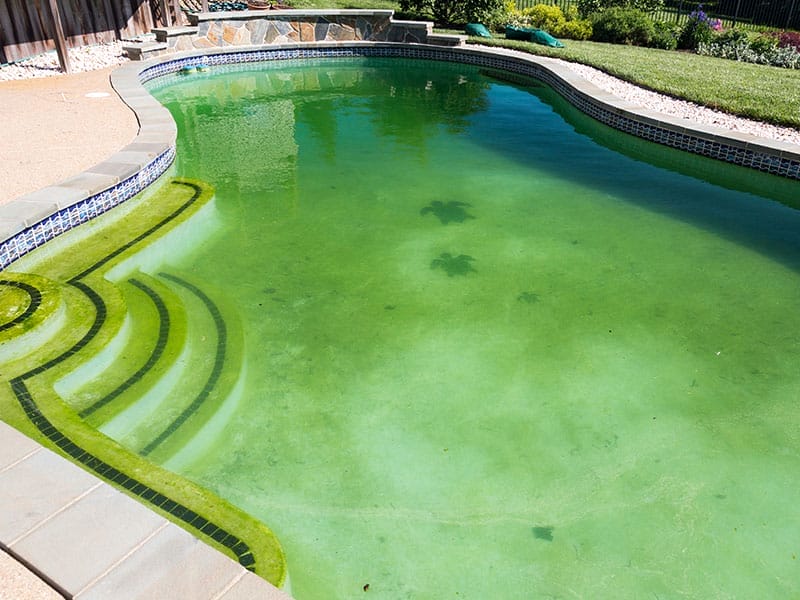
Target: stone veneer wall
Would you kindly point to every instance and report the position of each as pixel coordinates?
(253, 28)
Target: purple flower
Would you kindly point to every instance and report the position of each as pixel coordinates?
(698, 14)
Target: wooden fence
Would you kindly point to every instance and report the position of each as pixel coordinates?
(779, 14)
(28, 27)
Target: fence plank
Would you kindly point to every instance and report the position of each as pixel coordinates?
(27, 25)
(58, 37)
(6, 30)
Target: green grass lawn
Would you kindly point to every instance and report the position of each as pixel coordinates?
(760, 92)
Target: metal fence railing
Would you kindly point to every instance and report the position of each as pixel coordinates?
(779, 14)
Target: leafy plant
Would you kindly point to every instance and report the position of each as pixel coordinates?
(552, 19)
(447, 12)
(763, 43)
(545, 16)
(665, 36)
(737, 45)
(699, 29)
(623, 26)
(587, 8)
(789, 39)
(579, 29)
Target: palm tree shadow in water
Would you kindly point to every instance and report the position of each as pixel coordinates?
(453, 265)
(448, 212)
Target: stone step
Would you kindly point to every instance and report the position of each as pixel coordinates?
(164, 33)
(144, 50)
(445, 39)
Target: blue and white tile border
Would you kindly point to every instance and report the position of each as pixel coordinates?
(32, 220)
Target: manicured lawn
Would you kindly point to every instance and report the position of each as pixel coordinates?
(760, 92)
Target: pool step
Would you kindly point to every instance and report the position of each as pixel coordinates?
(204, 378)
(446, 39)
(68, 331)
(137, 360)
(32, 314)
(144, 50)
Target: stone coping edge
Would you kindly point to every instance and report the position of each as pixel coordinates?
(240, 15)
(128, 551)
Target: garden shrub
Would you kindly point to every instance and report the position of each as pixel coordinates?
(787, 57)
(500, 16)
(448, 12)
(545, 16)
(623, 26)
(665, 36)
(551, 19)
(738, 45)
(587, 8)
(699, 29)
(789, 39)
(763, 43)
(578, 29)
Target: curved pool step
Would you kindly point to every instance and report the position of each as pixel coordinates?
(97, 313)
(79, 327)
(142, 356)
(32, 314)
(213, 368)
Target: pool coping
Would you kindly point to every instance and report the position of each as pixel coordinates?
(33, 219)
(126, 550)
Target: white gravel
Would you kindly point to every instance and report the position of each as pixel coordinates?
(680, 108)
(87, 58)
(106, 55)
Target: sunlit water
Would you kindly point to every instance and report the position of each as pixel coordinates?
(487, 356)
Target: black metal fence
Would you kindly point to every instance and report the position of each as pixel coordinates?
(778, 14)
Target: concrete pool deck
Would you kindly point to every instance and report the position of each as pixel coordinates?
(88, 540)
(46, 122)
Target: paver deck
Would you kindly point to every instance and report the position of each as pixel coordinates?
(89, 541)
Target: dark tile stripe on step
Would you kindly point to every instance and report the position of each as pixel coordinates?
(35, 300)
(155, 355)
(219, 363)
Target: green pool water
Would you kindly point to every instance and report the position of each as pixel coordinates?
(492, 350)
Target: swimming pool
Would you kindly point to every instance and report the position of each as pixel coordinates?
(486, 356)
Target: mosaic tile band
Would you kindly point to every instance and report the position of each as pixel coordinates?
(83, 211)
(742, 154)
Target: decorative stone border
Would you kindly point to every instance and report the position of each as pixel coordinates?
(259, 27)
(290, 26)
